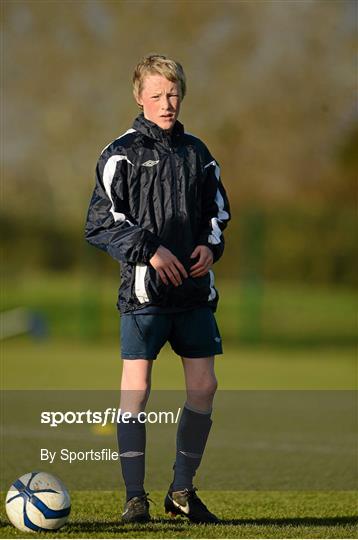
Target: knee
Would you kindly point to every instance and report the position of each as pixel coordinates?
(142, 397)
(205, 387)
(142, 394)
(135, 385)
(210, 386)
(139, 393)
(136, 382)
(134, 401)
(134, 398)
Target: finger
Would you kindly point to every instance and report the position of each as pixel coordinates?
(195, 253)
(181, 268)
(163, 277)
(203, 261)
(199, 270)
(171, 277)
(176, 273)
(199, 273)
(197, 265)
(204, 265)
(201, 258)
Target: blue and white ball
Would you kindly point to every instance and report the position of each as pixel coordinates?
(38, 501)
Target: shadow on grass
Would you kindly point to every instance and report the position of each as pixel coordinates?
(181, 524)
(85, 526)
(282, 522)
(114, 527)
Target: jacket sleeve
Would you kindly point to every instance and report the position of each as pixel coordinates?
(215, 210)
(109, 225)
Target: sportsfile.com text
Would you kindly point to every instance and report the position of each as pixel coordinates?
(108, 416)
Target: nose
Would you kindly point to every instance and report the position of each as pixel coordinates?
(165, 103)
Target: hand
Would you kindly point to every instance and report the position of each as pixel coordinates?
(206, 259)
(168, 266)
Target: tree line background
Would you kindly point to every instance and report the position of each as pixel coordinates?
(271, 89)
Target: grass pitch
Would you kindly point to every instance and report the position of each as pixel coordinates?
(322, 319)
(28, 365)
(245, 515)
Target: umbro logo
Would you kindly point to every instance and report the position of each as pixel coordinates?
(149, 163)
(217, 339)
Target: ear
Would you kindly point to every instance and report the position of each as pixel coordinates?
(138, 99)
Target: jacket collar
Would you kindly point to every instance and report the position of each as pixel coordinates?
(150, 129)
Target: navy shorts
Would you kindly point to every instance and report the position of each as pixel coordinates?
(193, 334)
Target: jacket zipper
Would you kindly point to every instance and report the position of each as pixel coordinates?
(175, 180)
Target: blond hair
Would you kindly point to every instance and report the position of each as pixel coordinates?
(158, 64)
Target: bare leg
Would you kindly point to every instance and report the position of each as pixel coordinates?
(135, 385)
(200, 381)
(195, 421)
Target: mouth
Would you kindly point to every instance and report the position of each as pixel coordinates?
(167, 116)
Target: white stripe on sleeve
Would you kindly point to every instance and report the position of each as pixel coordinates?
(215, 236)
(108, 175)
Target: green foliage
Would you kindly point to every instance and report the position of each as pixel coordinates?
(279, 119)
(295, 244)
(83, 306)
(298, 244)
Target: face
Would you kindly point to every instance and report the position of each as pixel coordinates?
(160, 99)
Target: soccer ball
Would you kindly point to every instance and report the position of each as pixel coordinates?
(38, 501)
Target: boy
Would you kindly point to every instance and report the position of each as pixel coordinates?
(159, 208)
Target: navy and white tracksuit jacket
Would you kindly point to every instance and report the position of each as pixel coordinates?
(155, 188)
